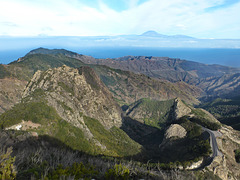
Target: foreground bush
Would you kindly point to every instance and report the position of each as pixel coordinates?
(7, 170)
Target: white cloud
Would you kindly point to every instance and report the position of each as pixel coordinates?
(59, 17)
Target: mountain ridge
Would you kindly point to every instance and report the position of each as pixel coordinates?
(200, 75)
(125, 86)
(78, 104)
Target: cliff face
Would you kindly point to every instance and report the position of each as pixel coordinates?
(180, 109)
(11, 90)
(76, 92)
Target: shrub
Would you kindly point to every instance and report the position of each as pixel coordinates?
(77, 170)
(237, 155)
(118, 172)
(7, 170)
(206, 123)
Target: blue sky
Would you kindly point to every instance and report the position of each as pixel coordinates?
(197, 18)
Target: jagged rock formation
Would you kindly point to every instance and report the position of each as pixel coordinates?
(180, 109)
(75, 107)
(126, 87)
(76, 92)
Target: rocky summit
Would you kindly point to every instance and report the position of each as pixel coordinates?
(76, 92)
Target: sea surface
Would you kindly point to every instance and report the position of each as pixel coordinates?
(227, 57)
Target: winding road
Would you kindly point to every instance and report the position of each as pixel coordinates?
(215, 150)
(213, 143)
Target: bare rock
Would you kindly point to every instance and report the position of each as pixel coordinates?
(175, 130)
(180, 109)
(174, 133)
(75, 93)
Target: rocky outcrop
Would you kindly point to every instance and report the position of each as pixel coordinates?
(180, 109)
(175, 130)
(173, 133)
(75, 93)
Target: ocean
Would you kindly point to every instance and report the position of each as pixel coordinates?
(227, 57)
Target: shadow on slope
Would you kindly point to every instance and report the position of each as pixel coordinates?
(45, 157)
(39, 157)
(227, 110)
(147, 136)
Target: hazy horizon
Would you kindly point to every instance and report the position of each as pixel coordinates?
(225, 57)
(85, 25)
(217, 19)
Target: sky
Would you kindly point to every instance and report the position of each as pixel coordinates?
(218, 19)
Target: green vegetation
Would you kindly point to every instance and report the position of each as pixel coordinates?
(65, 87)
(70, 135)
(190, 149)
(37, 112)
(116, 140)
(227, 111)
(204, 120)
(7, 169)
(51, 123)
(206, 123)
(193, 129)
(56, 161)
(118, 172)
(154, 113)
(237, 155)
(76, 170)
(201, 145)
(25, 69)
(108, 80)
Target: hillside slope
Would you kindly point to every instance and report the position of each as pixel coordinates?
(227, 111)
(160, 67)
(201, 75)
(74, 106)
(225, 86)
(125, 86)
